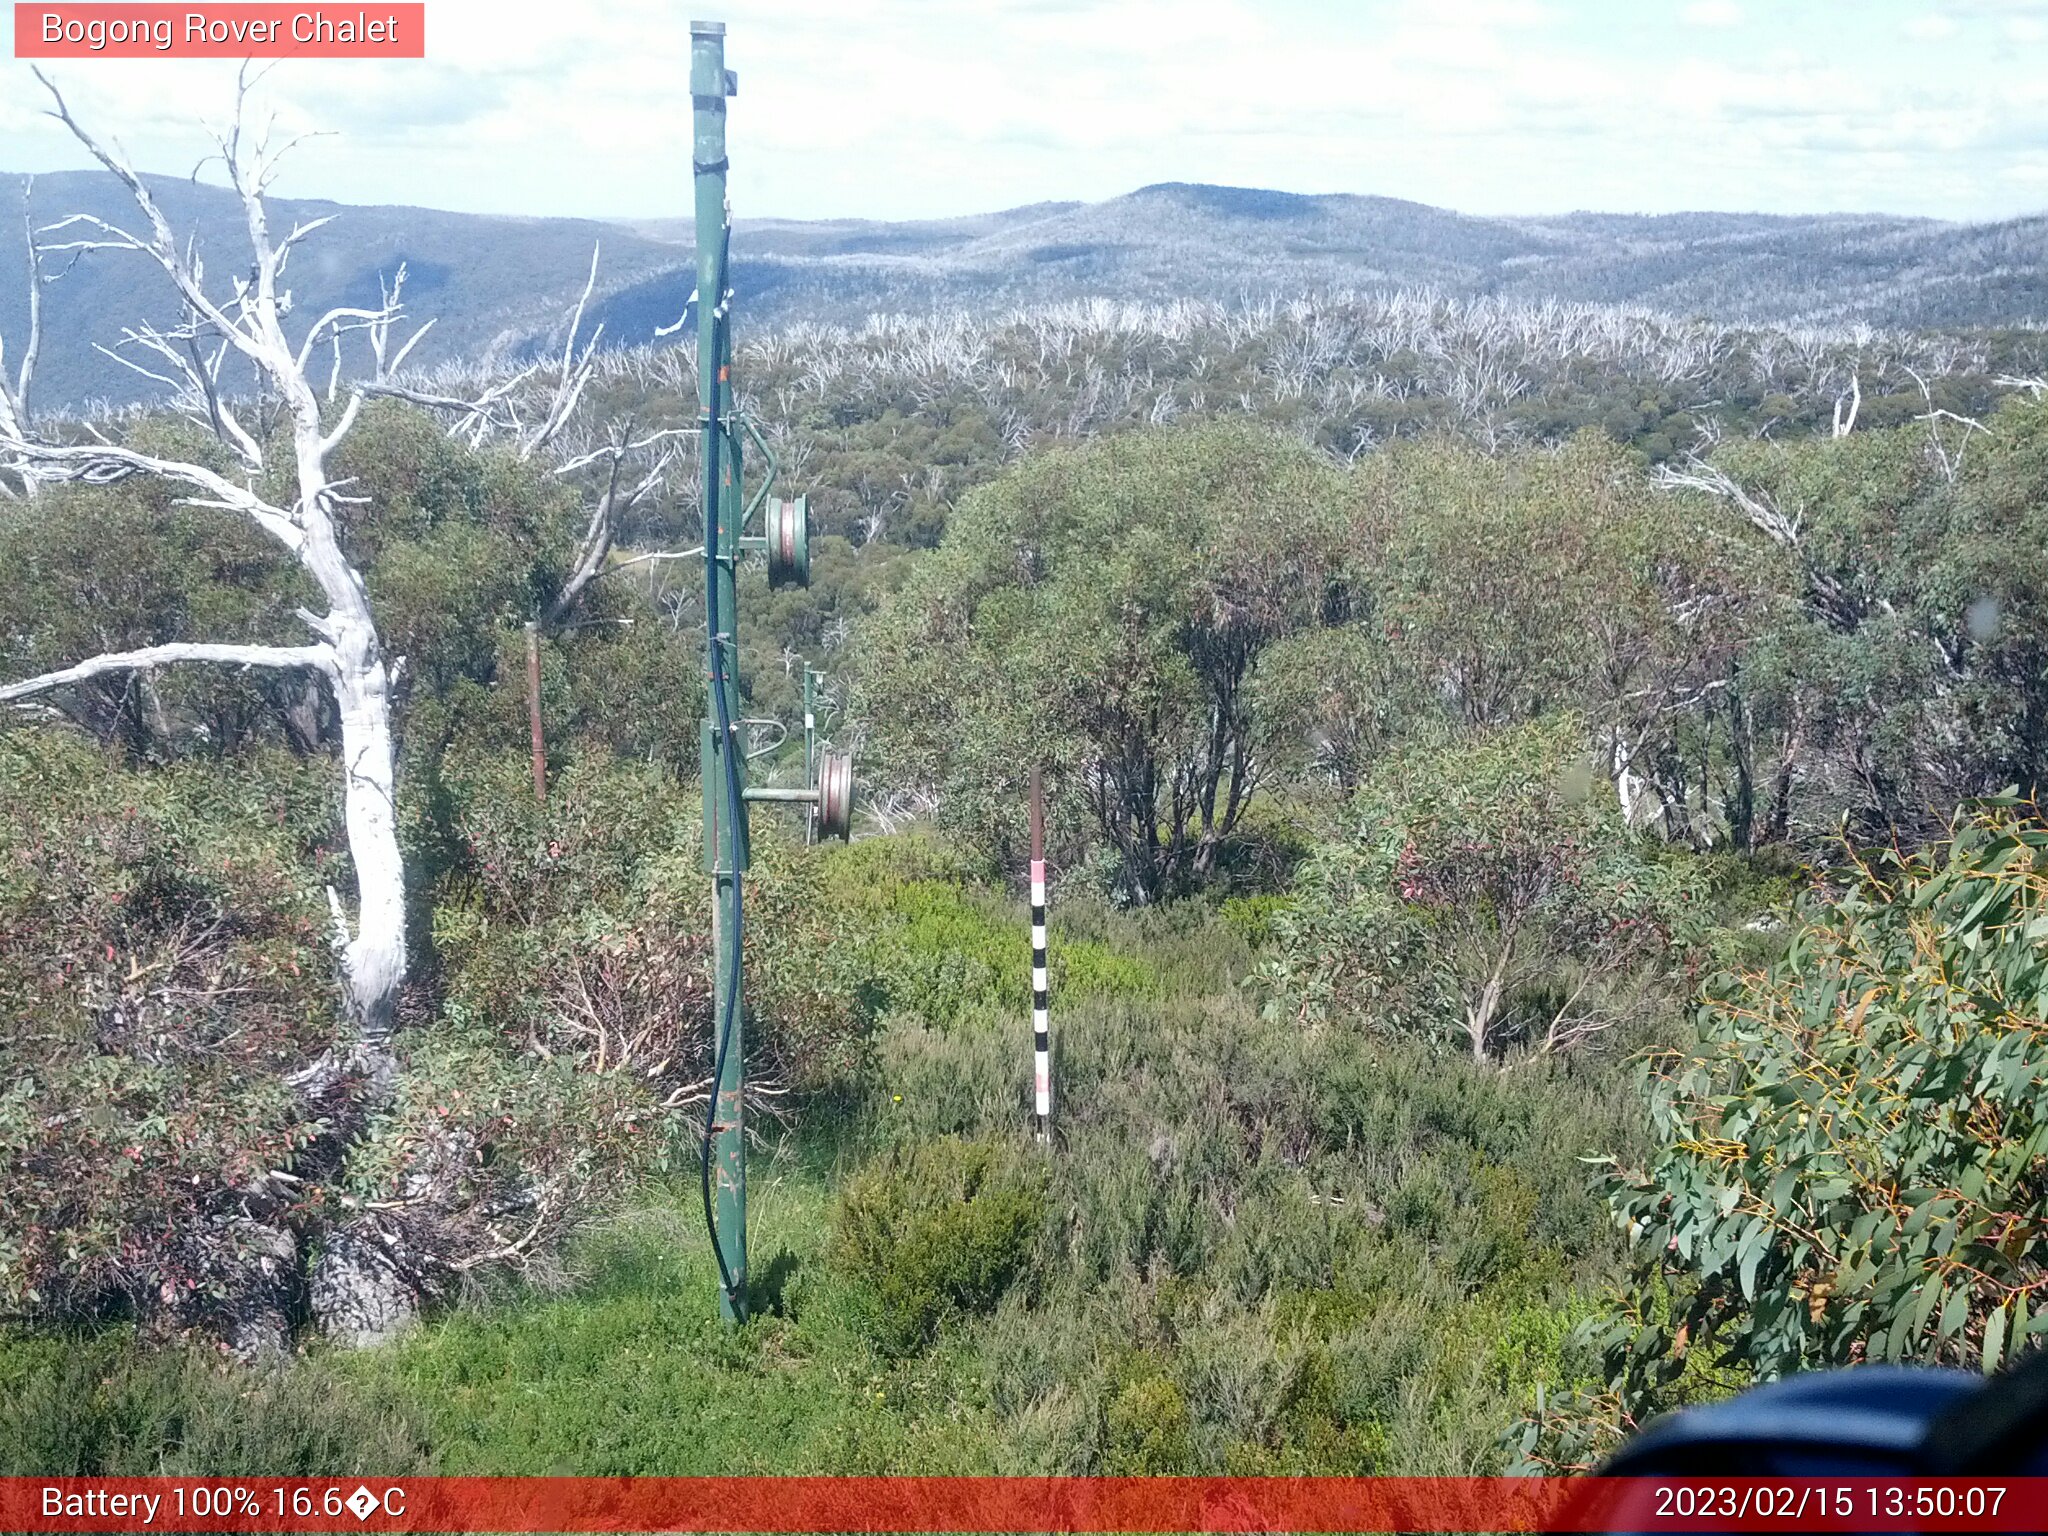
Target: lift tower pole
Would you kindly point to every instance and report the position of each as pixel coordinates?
(785, 539)
(724, 763)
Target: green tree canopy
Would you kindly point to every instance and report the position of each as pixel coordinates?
(1101, 610)
(1515, 585)
(1908, 666)
(1488, 891)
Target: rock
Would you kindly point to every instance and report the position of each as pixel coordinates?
(358, 1296)
(241, 1283)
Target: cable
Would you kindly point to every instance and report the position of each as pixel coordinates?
(727, 1010)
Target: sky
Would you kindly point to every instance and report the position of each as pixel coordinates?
(895, 109)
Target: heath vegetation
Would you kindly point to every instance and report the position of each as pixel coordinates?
(1547, 896)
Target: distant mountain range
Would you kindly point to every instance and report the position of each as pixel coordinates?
(500, 285)
(489, 283)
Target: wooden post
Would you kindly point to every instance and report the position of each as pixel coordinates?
(1041, 1015)
(540, 751)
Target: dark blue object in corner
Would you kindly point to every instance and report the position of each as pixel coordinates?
(1870, 1421)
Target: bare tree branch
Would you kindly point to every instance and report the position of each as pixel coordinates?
(1696, 474)
(659, 554)
(576, 371)
(1951, 463)
(162, 246)
(317, 656)
(106, 464)
(602, 531)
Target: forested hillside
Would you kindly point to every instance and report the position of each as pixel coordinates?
(480, 278)
(1180, 240)
(498, 285)
(1541, 805)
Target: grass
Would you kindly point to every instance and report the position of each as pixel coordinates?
(1261, 1249)
(631, 1372)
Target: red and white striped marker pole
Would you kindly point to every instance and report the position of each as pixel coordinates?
(1041, 1016)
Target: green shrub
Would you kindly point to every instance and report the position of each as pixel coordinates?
(1853, 1153)
(1107, 603)
(474, 1130)
(74, 1405)
(1268, 845)
(107, 568)
(163, 963)
(1489, 893)
(942, 1229)
(1254, 918)
(636, 690)
(924, 941)
(583, 924)
(1146, 1428)
(1851, 1161)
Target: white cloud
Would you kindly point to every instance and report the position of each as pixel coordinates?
(1712, 13)
(898, 108)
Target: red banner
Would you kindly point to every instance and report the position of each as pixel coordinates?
(220, 31)
(1020, 1504)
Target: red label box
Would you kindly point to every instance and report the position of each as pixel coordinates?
(811, 1506)
(377, 30)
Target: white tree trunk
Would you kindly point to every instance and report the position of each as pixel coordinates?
(1630, 788)
(351, 657)
(375, 957)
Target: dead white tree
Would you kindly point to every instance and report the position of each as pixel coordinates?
(15, 393)
(1849, 403)
(248, 323)
(1951, 461)
(1695, 473)
(536, 413)
(652, 456)
(504, 409)
(1836, 604)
